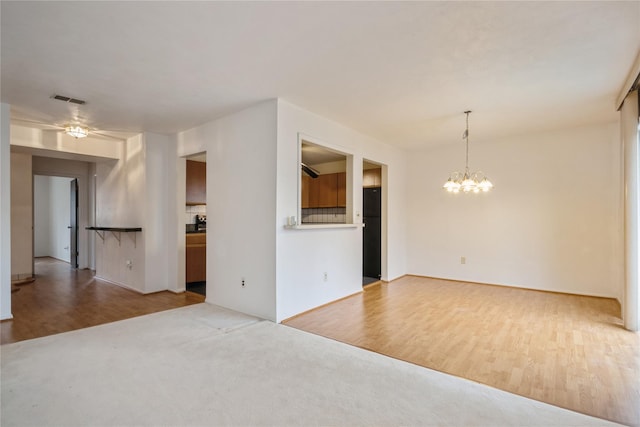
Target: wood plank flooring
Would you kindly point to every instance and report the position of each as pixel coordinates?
(62, 299)
(567, 350)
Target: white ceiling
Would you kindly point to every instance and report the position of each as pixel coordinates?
(313, 155)
(402, 72)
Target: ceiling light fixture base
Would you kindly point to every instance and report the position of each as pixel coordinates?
(76, 131)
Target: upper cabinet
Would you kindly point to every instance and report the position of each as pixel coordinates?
(342, 189)
(325, 191)
(196, 183)
(372, 178)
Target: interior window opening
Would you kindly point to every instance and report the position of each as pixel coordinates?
(323, 185)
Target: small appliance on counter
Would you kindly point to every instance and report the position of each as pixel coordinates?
(201, 222)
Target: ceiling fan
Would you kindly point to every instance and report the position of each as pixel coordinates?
(76, 126)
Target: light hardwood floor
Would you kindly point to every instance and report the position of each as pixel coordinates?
(567, 350)
(62, 299)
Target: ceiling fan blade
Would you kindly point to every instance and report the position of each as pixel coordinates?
(19, 121)
(309, 171)
(105, 135)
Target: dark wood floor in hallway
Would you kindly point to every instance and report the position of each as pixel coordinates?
(567, 350)
(63, 299)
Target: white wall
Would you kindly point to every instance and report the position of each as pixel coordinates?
(21, 217)
(120, 202)
(304, 255)
(241, 194)
(41, 204)
(5, 213)
(553, 221)
(51, 217)
(159, 219)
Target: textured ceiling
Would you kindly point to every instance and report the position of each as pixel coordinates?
(400, 72)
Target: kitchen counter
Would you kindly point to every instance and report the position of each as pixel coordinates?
(195, 228)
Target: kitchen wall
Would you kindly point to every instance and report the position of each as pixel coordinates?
(323, 215)
(191, 211)
(553, 221)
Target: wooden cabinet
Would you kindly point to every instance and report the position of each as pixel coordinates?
(196, 183)
(325, 191)
(342, 189)
(196, 257)
(305, 185)
(372, 178)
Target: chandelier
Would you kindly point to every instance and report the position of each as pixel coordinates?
(76, 131)
(468, 182)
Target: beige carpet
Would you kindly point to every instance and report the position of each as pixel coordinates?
(203, 365)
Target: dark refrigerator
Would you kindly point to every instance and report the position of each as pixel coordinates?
(372, 232)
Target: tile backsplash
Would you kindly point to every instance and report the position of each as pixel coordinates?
(192, 211)
(324, 215)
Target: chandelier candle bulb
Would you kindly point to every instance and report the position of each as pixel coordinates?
(468, 182)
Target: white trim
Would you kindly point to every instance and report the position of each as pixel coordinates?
(629, 135)
(122, 285)
(5, 212)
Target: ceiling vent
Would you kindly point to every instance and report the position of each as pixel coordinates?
(67, 99)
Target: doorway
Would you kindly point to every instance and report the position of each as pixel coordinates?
(55, 218)
(196, 224)
(372, 221)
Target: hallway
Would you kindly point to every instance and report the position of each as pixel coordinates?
(63, 299)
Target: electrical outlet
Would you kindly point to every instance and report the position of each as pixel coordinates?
(463, 260)
(325, 276)
(243, 282)
(129, 264)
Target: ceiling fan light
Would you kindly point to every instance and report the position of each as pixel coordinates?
(76, 131)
